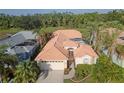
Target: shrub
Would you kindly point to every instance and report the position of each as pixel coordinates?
(120, 49)
(82, 71)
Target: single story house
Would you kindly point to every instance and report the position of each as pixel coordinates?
(23, 44)
(65, 48)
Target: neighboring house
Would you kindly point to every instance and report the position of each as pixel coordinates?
(65, 48)
(23, 44)
(118, 60)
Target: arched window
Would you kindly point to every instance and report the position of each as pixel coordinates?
(86, 60)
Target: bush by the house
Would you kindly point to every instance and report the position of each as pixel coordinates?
(82, 71)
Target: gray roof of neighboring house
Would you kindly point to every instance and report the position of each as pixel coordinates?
(14, 40)
(27, 34)
(18, 38)
(21, 49)
(21, 37)
(21, 42)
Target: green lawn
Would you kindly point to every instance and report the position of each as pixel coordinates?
(51, 29)
(67, 81)
(4, 32)
(2, 48)
(88, 80)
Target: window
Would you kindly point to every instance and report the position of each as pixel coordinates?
(86, 61)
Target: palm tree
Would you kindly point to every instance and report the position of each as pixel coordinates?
(45, 37)
(7, 66)
(26, 72)
(1, 70)
(106, 71)
(120, 50)
(108, 42)
(9, 60)
(96, 37)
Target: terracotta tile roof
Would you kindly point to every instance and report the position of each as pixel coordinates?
(54, 49)
(59, 44)
(70, 43)
(84, 50)
(69, 33)
(52, 54)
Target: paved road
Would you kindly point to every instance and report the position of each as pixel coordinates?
(54, 76)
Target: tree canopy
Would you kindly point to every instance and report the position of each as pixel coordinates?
(35, 21)
(26, 72)
(106, 71)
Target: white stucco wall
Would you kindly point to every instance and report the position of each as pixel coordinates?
(53, 65)
(65, 64)
(80, 60)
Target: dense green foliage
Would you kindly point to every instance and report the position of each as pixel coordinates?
(7, 66)
(62, 19)
(2, 48)
(87, 24)
(11, 69)
(6, 32)
(45, 37)
(120, 49)
(103, 71)
(26, 72)
(82, 71)
(106, 71)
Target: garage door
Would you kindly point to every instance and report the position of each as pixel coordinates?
(52, 66)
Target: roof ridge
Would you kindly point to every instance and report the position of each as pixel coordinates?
(54, 44)
(57, 42)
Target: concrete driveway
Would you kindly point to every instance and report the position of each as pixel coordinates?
(54, 76)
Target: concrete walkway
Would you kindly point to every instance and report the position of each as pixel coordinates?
(54, 76)
(71, 73)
